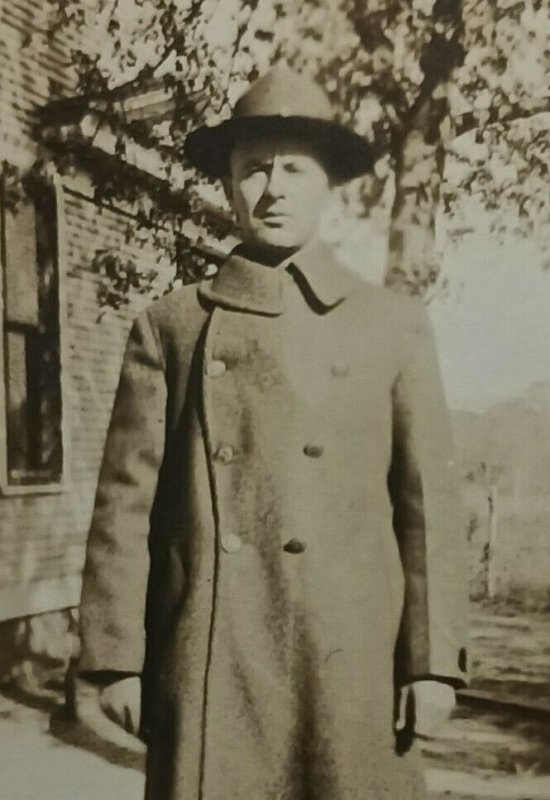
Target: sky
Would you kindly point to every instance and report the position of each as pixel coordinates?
(493, 327)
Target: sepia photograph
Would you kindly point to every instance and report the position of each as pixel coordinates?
(275, 400)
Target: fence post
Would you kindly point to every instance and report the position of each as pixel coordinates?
(493, 533)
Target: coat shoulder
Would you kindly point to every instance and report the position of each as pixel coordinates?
(387, 318)
(177, 317)
(393, 309)
(180, 304)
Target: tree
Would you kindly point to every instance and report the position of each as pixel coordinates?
(500, 104)
(413, 76)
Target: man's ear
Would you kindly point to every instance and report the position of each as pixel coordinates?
(227, 188)
(332, 215)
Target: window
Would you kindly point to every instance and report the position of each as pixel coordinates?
(33, 450)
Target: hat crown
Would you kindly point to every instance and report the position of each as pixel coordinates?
(283, 92)
(282, 104)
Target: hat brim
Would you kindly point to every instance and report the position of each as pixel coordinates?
(345, 154)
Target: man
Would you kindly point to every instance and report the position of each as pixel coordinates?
(277, 551)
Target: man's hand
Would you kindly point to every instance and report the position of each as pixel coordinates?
(426, 706)
(121, 702)
(111, 712)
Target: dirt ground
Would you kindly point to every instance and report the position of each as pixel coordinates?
(483, 754)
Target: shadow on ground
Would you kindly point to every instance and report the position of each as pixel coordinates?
(64, 728)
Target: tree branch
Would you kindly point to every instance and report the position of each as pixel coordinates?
(148, 70)
(502, 114)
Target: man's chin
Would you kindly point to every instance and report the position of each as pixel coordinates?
(279, 240)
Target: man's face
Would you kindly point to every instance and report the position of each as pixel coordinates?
(279, 190)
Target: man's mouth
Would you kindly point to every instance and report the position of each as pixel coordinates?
(275, 217)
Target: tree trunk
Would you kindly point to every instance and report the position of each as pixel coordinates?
(420, 160)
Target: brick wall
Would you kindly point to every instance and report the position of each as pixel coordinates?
(42, 537)
(26, 74)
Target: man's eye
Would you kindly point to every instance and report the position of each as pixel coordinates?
(292, 168)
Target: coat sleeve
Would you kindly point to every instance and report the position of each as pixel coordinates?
(116, 569)
(428, 519)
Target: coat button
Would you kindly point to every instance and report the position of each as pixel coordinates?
(225, 454)
(215, 368)
(314, 450)
(340, 370)
(294, 546)
(231, 543)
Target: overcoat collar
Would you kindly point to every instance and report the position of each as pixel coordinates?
(249, 286)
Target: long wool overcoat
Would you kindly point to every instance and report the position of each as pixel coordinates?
(277, 538)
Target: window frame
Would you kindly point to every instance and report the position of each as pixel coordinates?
(63, 484)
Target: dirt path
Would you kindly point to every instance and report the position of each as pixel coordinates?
(481, 755)
(499, 754)
(490, 755)
(511, 654)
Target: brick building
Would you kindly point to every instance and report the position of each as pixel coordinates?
(60, 364)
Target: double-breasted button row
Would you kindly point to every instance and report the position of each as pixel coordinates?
(231, 543)
(225, 454)
(314, 450)
(340, 370)
(294, 546)
(215, 368)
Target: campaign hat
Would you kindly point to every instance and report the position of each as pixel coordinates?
(282, 103)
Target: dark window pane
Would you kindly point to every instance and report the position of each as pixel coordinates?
(16, 401)
(31, 339)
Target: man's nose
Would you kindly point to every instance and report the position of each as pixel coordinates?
(275, 180)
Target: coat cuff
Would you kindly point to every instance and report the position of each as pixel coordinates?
(104, 677)
(123, 657)
(449, 665)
